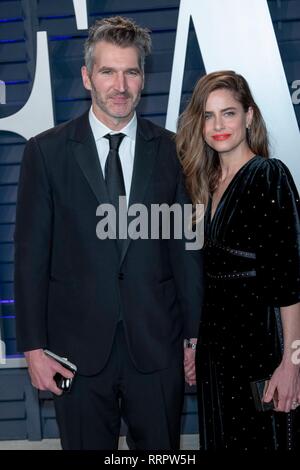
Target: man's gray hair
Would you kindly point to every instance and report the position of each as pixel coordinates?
(122, 32)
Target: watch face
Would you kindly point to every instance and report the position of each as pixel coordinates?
(189, 344)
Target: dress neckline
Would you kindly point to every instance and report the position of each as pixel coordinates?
(212, 218)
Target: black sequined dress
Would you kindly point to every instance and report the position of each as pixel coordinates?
(252, 267)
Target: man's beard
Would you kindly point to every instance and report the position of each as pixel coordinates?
(104, 107)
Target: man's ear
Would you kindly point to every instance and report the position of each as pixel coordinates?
(85, 78)
(143, 83)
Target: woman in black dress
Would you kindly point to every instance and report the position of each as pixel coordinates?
(251, 317)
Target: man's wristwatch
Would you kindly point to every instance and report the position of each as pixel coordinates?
(190, 344)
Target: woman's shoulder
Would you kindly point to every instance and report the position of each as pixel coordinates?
(271, 168)
(271, 164)
(273, 174)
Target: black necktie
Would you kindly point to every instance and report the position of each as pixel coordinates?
(113, 169)
(114, 176)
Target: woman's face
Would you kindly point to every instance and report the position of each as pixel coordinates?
(225, 122)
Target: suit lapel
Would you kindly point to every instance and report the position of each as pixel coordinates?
(144, 160)
(85, 151)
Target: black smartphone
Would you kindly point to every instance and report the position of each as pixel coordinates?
(63, 383)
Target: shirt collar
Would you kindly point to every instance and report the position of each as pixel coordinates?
(100, 130)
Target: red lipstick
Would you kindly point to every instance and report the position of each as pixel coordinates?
(221, 136)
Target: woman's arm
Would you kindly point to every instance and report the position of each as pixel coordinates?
(290, 317)
(284, 385)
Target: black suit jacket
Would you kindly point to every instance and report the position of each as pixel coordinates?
(70, 286)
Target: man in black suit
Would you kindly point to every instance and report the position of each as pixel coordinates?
(119, 309)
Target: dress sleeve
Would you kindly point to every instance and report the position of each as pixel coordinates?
(278, 236)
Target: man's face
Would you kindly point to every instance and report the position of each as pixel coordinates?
(116, 83)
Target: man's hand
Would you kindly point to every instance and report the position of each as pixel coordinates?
(42, 369)
(189, 364)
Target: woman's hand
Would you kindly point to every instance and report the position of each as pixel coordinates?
(284, 387)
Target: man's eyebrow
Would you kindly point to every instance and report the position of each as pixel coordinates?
(108, 67)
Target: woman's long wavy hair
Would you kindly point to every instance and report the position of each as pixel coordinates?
(201, 164)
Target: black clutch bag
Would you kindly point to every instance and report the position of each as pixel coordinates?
(258, 388)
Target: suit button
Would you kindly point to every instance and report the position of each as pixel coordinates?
(121, 276)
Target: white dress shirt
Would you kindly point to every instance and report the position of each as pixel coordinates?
(126, 149)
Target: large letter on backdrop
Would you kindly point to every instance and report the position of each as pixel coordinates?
(239, 35)
(37, 114)
(80, 9)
